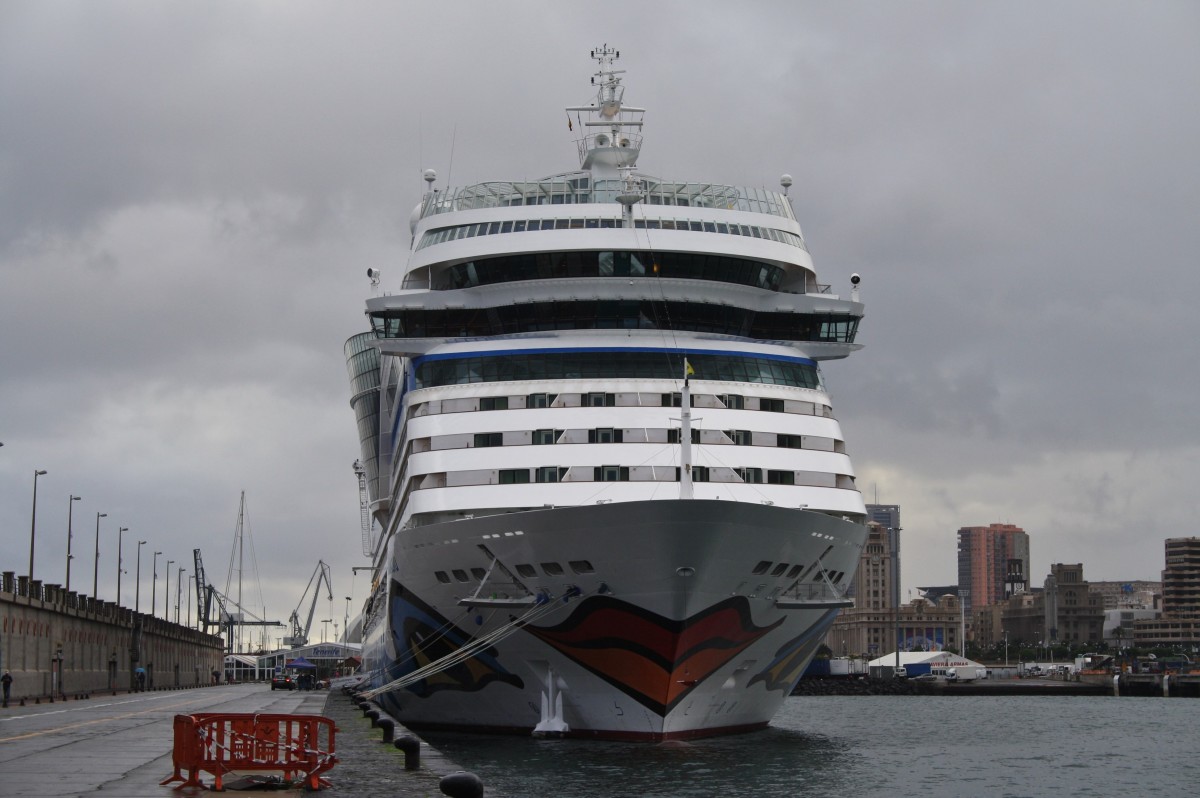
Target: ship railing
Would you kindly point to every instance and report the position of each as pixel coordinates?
(811, 596)
(579, 189)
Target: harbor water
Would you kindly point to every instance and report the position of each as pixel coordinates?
(873, 746)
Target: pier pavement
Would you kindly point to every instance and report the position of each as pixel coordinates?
(121, 745)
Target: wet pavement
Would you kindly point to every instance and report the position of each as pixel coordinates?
(121, 745)
(372, 769)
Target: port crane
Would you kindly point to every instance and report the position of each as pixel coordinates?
(299, 635)
(214, 608)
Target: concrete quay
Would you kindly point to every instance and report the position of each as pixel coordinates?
(122, 745)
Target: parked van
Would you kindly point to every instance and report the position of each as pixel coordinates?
(899, 672)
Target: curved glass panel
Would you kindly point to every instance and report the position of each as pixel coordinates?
(551, 265)
(609, 364)
(614, 314)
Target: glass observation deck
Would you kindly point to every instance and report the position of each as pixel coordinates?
(579, 188)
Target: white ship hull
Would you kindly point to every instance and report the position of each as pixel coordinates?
(671, 635)
(611, 493)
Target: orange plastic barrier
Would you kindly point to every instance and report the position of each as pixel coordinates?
(236, 742)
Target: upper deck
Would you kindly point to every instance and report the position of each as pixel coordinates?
(579, 188)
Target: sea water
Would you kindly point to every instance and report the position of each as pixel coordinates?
(928, 746)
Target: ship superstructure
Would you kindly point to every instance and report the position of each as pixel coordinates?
(613, 496)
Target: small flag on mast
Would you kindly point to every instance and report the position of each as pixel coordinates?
(688, 371)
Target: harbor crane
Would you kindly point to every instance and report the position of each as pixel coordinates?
(299, 635)
(213, 609)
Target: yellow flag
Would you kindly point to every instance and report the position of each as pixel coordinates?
(688, 367)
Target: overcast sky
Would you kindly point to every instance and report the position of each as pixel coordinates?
(191, 192)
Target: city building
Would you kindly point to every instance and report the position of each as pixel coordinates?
(877, 622)
(1064, 610)
(888, 517)
(1119, 624)
(993, 564)
(1134, 594)
(1179, 625)
(1072, 612)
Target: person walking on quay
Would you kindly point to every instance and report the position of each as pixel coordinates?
(6, 679)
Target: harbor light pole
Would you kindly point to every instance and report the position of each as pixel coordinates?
(167, 592)
(137, 583)
(346, 621)
(96, 564)
(121, 530)
(70, 512)
(33, 528)
(178, 590)
(154, 584)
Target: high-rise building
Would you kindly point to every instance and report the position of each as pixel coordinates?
(888, 518)
(1181, 579)
(993, 564)
(1179, 625)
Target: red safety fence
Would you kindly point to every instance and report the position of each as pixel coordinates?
(300, 747)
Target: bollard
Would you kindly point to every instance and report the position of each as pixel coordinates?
(389, 730)
(461, 785)
(365, 706)
(374, 716)
(411, 747)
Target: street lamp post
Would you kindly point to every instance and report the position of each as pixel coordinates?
(96, 565)
(167, 592)
(137, 585)
(178, 590)
(121, 530)
(33, 528)
(70, 512)
(346, 624)
(154, 584)
(191, 579)
(894, 590)
(1006, 648)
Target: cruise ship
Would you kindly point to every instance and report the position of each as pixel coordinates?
(611, 494)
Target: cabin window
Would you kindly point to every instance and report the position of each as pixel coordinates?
(611, 473)
(550, 473)
(750, 475)
(605, 435)
(741, 437)
(514, 476)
